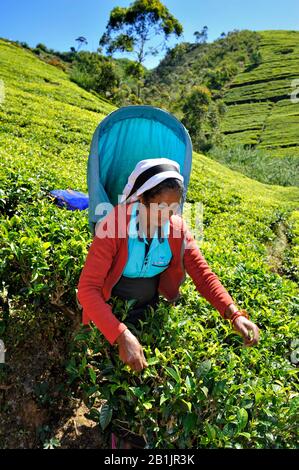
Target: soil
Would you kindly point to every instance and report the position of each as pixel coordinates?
(36, 402)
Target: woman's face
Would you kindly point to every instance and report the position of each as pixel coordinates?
(162, 206)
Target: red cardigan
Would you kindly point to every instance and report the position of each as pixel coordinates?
(108, 255)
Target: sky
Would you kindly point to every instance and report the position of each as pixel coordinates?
(57, 23)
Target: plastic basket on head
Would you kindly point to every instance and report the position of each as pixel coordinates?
(123, 138)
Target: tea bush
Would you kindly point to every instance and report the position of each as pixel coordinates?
(202, 387)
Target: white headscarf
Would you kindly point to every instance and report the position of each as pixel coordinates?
(155, 176)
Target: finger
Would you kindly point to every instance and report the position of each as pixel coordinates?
(136, 365)
(143, 359)
(242, 330)
(250, 342)
(247, 340)
(255, 334)
(245, 329)
(123, 358)
(145, 364)
(249, 335)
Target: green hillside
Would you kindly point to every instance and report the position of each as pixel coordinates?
(260, 111)
(252, 72)
(203, 389)
(212, 64)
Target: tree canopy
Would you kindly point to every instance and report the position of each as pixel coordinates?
(130, 29)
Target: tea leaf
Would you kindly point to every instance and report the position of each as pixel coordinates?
(211, 433)
(204, 368)
(163, 398)
(105, 416)
(242, 418)
(147, 405)
(92, 375)
(174, 374)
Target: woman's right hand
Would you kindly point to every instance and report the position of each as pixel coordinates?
(130, 351)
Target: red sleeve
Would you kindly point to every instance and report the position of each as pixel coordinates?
(98, 262)
(205, 280)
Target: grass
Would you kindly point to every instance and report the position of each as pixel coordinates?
(258, 164)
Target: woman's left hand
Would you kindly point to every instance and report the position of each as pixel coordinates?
(244, 326)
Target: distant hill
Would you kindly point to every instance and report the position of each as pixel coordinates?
(212, 64)
(260, 111)
(85, 69)
(252, 72)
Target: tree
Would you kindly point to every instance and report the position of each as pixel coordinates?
(196, 107)
(94, 72)
(256, 58)
(41, 46)
(217, 77)
(81, 40)
(201, 118)
(130, 29)
(201, 36)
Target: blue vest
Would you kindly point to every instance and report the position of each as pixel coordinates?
(144, 260)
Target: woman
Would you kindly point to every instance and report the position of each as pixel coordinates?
(144, 248)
